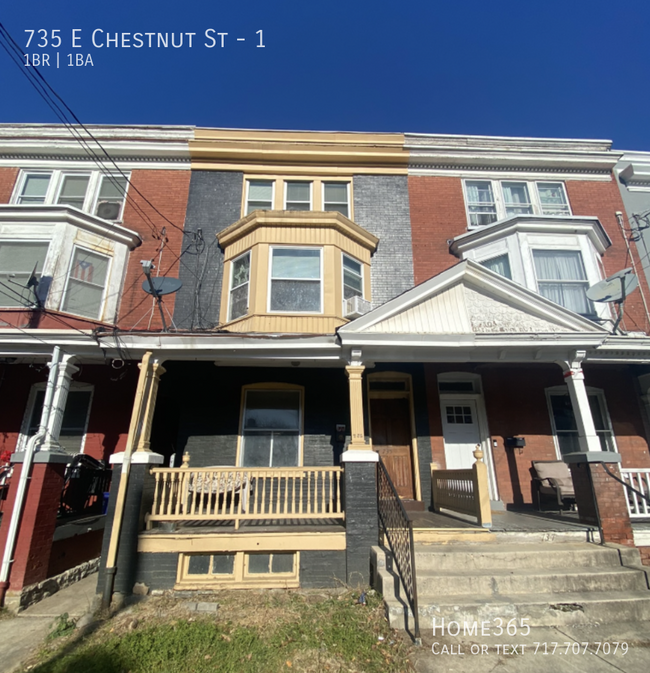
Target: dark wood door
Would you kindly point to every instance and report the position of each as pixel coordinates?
(391, 438)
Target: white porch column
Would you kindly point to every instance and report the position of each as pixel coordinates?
(54, 416)
(575, 380)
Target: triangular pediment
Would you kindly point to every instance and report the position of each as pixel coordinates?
(470, 299)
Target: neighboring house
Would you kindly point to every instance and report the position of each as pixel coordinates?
(341, 292)
(73, 229)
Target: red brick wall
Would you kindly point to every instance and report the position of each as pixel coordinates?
(603, 200)
(645, 555)
(7, 181)
(74, 551)
(437, 214)
(168, 191)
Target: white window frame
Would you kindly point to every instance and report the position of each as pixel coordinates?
(57, 176)
(106, 282)
(311, 194)
(271, 279)
(356, 261)
(347, 195)
(272, 388)
(248, 186)
(500, 203)
(599, 393)
(231, 288)
(43, 241)
(75, 386)
(95, 201)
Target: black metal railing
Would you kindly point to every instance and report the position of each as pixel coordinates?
(397, 529)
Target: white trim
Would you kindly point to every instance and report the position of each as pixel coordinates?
(311, 195)
(360, 456)
(109, 268)
(75, 386)
(271, 279)
(599, 393)
(138, 458)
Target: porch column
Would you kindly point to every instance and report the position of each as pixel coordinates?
(357, 430)
(360, 486)
(53, 418)
(575, 380)
(153, 374)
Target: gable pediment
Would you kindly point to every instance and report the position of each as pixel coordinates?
(470, 299)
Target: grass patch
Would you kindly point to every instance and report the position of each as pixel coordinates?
(253, 632)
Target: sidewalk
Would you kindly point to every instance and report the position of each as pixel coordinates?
(23, 634)
(558, 649)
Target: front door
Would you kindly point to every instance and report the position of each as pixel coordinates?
(460, 431)
(390, 420)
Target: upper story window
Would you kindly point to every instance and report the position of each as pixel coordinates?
(296, 282)
(102, 195)
(18, 260)
(561, 278)
(499, 264)
(288, 194)
(239, 286)
(352, 278)
(84, 294)
(491, 200)
(298, 196)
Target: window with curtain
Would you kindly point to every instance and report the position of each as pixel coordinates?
(295, 280)
(271, 428)
(516, 198)
(552, 198)
(564, 423)
(480, 202)
(500, 265)
(335, 197)
(561, 278)
(298, 196)
(73, 190)
(84, 292)
(239, 286)
(18, 259)
(260, 195)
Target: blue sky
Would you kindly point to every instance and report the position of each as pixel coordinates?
(571, 68)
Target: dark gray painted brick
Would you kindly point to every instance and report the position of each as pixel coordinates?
(214, 203)
(381, 205)
(320, 569)
(157, 570)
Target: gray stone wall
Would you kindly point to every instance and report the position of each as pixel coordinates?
(214, 203)
(381, 205)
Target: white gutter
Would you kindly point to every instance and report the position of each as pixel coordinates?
(21, 491)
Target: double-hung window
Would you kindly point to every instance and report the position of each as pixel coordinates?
(239, 286)
(352, 278)
(34, 188)
(297, 196)
(73, 190)
(336, 197)
(491, 200)
(110, 199)
(271, 428)
(84, 292)
(561, 278)
(18, 260)
(564, 423)
(260, 195)
(296, 282)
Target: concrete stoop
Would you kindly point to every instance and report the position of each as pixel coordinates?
(548, 584)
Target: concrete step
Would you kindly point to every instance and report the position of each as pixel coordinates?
(535, 609)
(468, 558)
(488, 583)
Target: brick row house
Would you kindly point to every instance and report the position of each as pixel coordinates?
(344, 296)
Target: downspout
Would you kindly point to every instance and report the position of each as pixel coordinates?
(21, 490)
(135, 428)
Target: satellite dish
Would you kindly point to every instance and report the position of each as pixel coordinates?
(615, 288)
(161, 286)
(33, 280)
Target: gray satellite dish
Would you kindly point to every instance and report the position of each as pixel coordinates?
(615, 288)
(161, 286)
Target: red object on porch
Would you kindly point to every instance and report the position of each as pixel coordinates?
(593, 485)
(33, 547)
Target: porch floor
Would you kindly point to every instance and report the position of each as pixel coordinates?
(255, 526)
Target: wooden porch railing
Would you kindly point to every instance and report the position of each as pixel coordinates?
(638, 503)
(244, 493)
(464, 491)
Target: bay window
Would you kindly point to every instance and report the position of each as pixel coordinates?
(239, 286)
(352, 278)
(561, 278)
(86, 283)
(500, 265)
(18, 260)
(296, 281)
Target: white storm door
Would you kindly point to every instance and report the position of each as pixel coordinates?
(460, 431)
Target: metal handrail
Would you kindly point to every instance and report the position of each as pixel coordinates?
(629, 487)
(398, 531)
